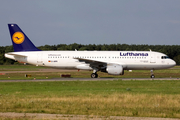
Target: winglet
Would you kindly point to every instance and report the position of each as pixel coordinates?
(20, 41)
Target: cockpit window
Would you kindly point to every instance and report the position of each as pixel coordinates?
(164, 57)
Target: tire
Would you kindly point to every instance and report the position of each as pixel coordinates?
(94, 75)
(152, 76)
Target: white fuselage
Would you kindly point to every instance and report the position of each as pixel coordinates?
(129, 60)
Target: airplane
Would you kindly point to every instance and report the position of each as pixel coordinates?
(111, 62)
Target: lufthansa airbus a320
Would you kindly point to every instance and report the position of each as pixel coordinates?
(111, 62)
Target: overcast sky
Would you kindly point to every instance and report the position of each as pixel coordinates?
(52, 22)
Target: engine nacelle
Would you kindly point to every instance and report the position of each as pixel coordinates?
(115, 69)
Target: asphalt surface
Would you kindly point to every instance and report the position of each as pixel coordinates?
(87, 79)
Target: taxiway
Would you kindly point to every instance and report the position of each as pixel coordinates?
(87, 79)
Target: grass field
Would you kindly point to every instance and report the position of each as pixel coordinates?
(104, 98)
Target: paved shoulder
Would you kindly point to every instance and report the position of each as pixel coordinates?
(73, 117)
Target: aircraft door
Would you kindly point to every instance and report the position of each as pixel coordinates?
(39, 59)
(152, 58)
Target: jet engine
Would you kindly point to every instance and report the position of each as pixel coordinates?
(115, 69)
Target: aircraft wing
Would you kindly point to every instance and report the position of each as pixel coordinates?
(98, 64)
(91, 61)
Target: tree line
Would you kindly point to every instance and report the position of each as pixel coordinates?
(173, 51)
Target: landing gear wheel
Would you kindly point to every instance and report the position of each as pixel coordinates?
(152, 76)
(94, 75)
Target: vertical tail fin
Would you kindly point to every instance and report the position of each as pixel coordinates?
(20, 41)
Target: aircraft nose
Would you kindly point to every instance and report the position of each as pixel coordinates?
(173, 63)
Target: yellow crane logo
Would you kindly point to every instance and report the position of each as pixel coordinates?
(18, 37)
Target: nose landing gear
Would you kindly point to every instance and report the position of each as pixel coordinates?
(152, 74)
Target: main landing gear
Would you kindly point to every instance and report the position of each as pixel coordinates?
(152, 74)
(94, 74)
